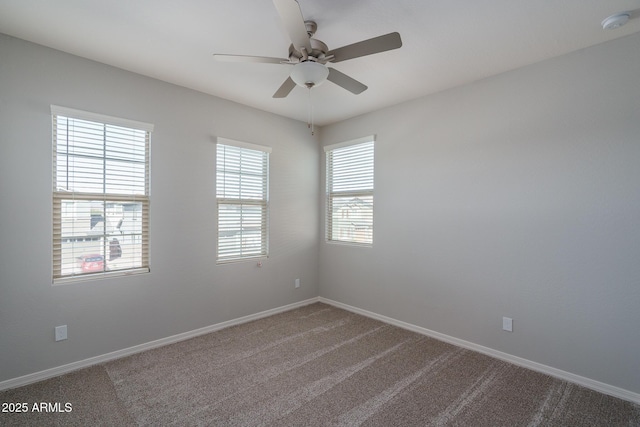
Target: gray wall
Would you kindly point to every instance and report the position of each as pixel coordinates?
(185, 290)
(516, 196)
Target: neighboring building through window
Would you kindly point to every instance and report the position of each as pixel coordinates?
(350, 191)
(242, 190)
(100, 195)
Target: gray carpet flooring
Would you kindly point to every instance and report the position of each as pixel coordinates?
(315, 366)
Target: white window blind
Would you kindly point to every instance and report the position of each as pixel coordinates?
(242, 178)
(350, 192)
(100, 195)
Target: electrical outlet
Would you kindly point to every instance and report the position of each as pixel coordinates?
(297, 283)
(507, 324)
(61, 333)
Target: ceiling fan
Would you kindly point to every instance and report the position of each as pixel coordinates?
(309, 57)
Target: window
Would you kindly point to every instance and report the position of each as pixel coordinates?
(350, 191)
(100, 195)
(242, 178)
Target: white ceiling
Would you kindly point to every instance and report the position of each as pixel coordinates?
(445, 43)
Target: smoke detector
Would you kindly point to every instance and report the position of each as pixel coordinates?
(615, 21)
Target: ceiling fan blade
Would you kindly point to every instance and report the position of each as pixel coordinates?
(291, 15)
(284, 90)
(247, 58)
(366, 47)
(346, 82)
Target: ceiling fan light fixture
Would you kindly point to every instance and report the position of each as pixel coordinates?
(309, 74)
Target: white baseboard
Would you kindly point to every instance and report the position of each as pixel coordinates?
(64, 369)
(535, 366)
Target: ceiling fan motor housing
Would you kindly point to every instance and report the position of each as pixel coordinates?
(317, 54)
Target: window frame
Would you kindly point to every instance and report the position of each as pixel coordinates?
(246, 202)
(105, 197)
(358, 193)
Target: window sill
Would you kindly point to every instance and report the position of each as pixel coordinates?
(343, 243)
(67, 280)
(239, 260)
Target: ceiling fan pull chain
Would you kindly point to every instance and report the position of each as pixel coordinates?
(309, 109)
(310, 120)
